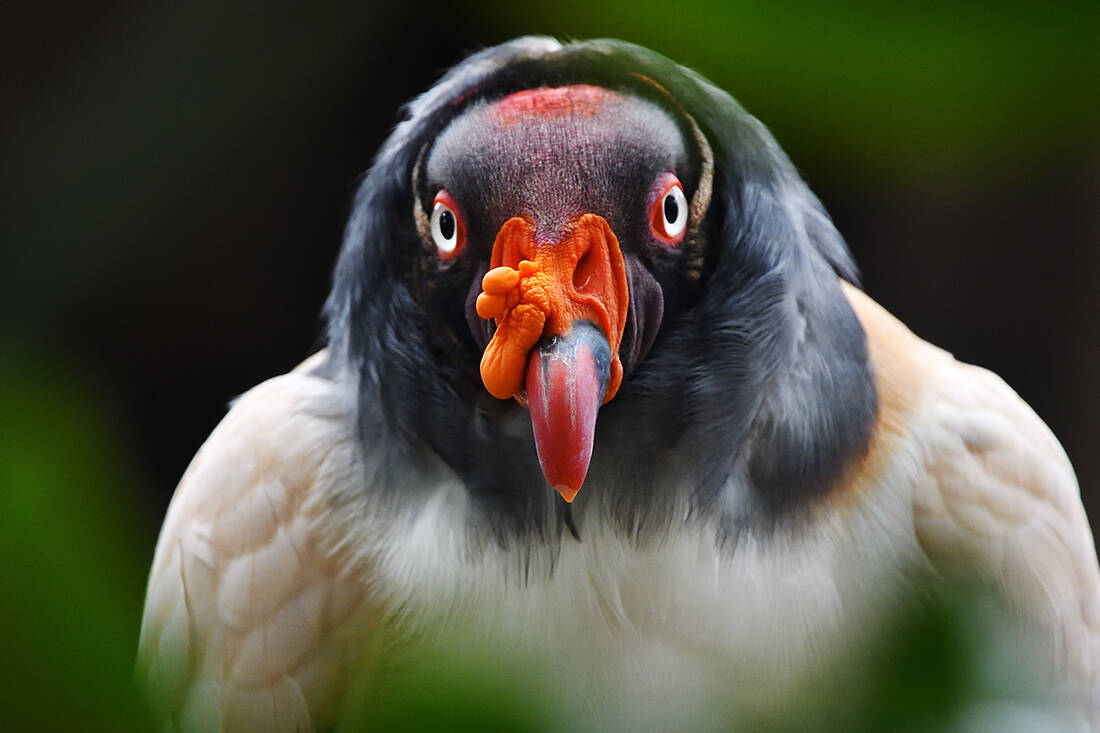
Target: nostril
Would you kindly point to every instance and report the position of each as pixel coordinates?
(585, 270)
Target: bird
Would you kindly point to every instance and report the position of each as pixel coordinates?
(599, 382)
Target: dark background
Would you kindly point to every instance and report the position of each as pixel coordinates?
(176, 179)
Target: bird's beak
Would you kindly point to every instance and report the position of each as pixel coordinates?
(560, 308)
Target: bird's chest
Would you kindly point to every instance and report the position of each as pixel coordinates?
(680, 615)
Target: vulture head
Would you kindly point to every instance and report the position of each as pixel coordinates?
(583, 272)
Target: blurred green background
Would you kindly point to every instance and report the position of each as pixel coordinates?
(175, 179)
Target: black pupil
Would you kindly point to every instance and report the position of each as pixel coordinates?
(672, 209)
(447, 224)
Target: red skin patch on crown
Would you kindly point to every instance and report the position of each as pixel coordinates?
(552, 102)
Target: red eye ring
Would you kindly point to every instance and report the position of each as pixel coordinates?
(447, 227)
(668, 210)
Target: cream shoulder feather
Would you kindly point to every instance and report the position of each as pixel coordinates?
(251, 621)
(995, 499)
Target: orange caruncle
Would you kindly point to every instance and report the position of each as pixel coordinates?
(541, 289)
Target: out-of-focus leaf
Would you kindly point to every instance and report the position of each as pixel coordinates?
(73, 558)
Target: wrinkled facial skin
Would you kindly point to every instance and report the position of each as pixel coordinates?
(554, 159)
(549, 156)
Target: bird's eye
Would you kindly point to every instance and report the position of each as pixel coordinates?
(448, 230)
(669, 215)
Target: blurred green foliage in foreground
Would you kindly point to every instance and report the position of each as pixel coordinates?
(72, 552)
(74, 569)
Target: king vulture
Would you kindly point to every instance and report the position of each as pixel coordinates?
(600, 385)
